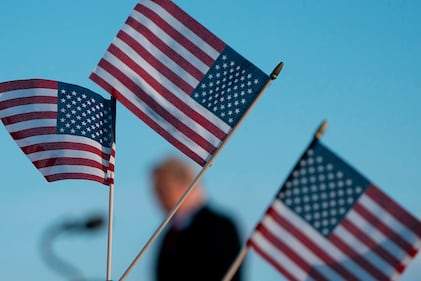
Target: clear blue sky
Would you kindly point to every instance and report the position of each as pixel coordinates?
(356, 63)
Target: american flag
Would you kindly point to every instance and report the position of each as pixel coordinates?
(328, 222)
(178, 77)
(65, 130)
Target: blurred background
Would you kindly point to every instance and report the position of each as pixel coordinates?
(356, 63)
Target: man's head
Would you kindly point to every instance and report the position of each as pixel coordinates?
(170, 179)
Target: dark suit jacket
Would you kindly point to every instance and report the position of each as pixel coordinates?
(203, 251)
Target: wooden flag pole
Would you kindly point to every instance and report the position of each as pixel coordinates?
(199, 176)
(110, 230)
(321, 130)
(237, 263)
(243, 253)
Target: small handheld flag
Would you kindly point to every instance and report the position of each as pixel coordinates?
(179, 78)
(183, 82)
(65, 130)
(328, 222)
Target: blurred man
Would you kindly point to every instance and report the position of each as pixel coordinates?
(200, 244)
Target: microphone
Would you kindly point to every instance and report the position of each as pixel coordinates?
(92, 223)
(74, 226)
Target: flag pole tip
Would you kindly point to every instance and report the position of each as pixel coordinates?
(276, 71)
(321, 130)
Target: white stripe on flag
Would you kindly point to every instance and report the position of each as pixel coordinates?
(71, 169)
(31, 124)
(28, 108)
(62, 139)
(27, 93)
(67, 153)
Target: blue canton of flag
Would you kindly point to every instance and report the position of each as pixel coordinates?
(230, 86)
(322, 189)
(82, 112)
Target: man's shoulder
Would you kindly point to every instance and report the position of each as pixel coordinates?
(208, 216)
(219, 231)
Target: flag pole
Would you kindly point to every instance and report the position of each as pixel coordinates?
(111, 198)
(110, 230)
(199, 176)
(237, 263)
(321, 130)
(243, 253)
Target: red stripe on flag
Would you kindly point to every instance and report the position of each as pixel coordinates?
(64, 145)
(152, 103)
(303, 238)
(111, 166)
(150, 122)
(386, 230)
(33, 132)
(395, 209)
(277, 243)
(164, 48)
(273, 262)
(69, 161)
(75, 176)
(372, 245)
(357, 258)
(28, 116)
(193, 25)
(27, 84)
(25, 101)
(176, 35)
